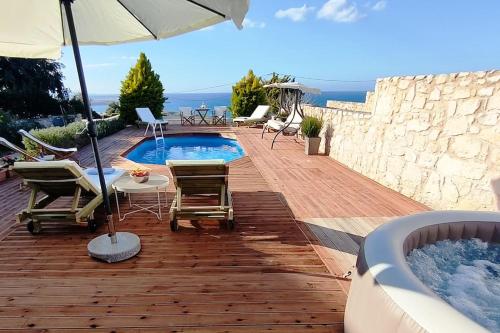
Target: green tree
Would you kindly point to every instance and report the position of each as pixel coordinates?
(113, 109)
(247, 94)
(141, 88)
(31, 87)
(273, 94)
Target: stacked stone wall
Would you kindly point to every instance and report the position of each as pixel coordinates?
(434, 138)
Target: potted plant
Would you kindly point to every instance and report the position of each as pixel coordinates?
(310, 127)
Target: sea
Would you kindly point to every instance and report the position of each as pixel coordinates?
(174, 101)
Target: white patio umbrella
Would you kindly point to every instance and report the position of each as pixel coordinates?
(41, 28)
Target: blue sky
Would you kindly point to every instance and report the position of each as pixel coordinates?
(328, 39)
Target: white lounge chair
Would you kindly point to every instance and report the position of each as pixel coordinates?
(59, 153)
(290, 126)
(257, 116)
(62, 179)
(146, 116)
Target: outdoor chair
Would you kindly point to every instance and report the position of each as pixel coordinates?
(259, 115)
(219, 117)
(59, 153)
(146, 116)
(289, 127)
(207, 180)
(187, 115)
(27, 156)
(58, 179)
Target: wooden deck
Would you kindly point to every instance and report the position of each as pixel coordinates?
(263, 276)
(318, 186)
(338, 239)
(338, 205)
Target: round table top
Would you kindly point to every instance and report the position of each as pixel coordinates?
(154, 183)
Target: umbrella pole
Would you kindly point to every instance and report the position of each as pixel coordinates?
(91, 124)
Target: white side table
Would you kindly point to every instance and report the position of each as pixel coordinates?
(126, 185)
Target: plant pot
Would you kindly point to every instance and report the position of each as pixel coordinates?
(312, 145)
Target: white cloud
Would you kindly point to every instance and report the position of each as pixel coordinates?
(104, 64)
(340, 11)
(248, 23)
(295, 14)
(380, 5)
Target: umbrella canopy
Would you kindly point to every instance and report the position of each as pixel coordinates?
(39, 28)
(294, 86)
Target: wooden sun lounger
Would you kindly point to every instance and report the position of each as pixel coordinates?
(58, 179)
(59, 153)
(28, 157)
(201, 178)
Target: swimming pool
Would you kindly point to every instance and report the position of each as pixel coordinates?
(186, 147)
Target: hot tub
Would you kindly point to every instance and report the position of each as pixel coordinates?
(385, 296)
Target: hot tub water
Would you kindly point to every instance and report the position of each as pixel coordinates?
(466, 274)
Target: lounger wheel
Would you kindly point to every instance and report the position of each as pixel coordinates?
(92, 225)
(33, 228)
(174, 226)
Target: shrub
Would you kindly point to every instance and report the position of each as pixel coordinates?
(9, 127)
(311, 126)
(110, 126)
(113, 109)
(72, 135)
(76, 104)
(141, 88)
(273, 94)
(63, 137)
(248, 93)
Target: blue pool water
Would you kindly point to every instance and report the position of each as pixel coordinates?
(186, 147)
(466, 274)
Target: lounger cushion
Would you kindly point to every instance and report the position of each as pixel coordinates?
(47, 171)
(110, 178)
(146, 116)
(278, 125)
(258, 114)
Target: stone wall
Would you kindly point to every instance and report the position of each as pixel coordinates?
(347, 106)
(434, 138)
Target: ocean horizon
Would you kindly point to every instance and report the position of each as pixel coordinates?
(174, 101)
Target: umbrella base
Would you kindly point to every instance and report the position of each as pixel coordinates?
(127, 246)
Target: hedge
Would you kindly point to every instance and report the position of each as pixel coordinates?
(72, 135)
